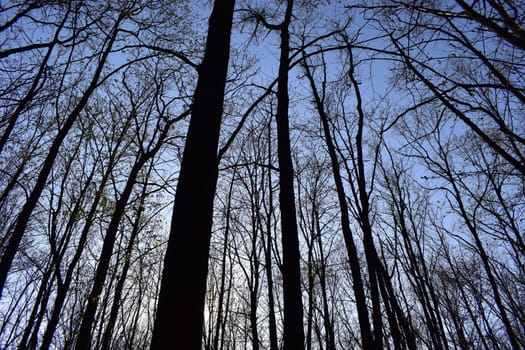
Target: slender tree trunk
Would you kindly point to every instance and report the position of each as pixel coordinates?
(64, 284)
(106, 338)
(180, 310)
(310, 307)
(83, 341)
(29, 340)
(357, 279)
(227, 310)
(13, 118)
(272, 323)
(293, 332)
(222, 288)
(363, 209)
(29, 206)
(471, 225)
(417, 265)
(327, 321)
(254, 271)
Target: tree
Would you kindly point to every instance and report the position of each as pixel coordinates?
(355, 266)
(26, 211)
(180, 310)
(352, 175)
(293, 308)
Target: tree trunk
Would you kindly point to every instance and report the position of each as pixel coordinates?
(222, 289)
(117, 297)
(293, 333)
(180, 308)
(353, 257)
(29, 206)
(83, 341)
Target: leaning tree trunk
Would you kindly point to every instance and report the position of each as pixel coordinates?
(367, 339)
(32, 200)
(83, 341)
(180, 310)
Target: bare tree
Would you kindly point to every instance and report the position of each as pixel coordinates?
(180, 309)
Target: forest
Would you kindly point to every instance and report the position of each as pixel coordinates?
(263, 175)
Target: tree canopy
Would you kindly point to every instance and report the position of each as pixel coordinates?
(262, 174)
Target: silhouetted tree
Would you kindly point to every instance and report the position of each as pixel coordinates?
(180, 311)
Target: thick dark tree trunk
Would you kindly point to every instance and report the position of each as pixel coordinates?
(293, 335)
(180, 310)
